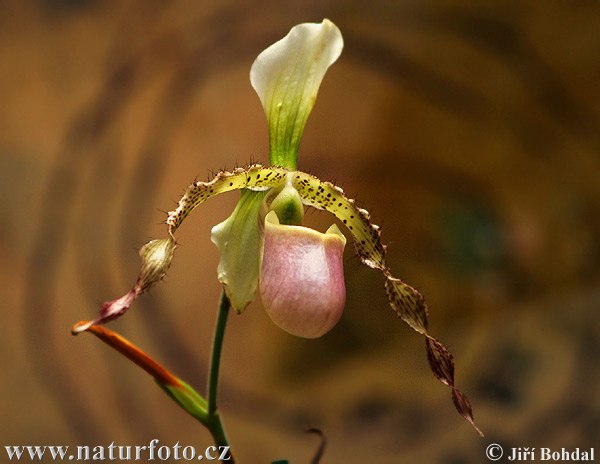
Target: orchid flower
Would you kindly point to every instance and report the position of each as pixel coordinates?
(263, 246)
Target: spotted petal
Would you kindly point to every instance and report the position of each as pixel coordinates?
(407, 302)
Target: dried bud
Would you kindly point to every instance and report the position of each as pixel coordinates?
(156, 258)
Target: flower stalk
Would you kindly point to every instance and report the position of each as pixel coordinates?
(214, 418)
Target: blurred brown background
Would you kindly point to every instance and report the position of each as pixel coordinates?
(468, 129)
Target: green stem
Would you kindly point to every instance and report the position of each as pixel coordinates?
(214, 419)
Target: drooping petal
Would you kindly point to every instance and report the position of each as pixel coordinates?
(302, 277)
(406, 301)
(239, 249)
(287, 76)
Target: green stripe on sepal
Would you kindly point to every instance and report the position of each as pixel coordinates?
(286, 77)
(188, 399)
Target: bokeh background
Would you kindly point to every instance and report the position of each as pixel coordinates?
(468, 129)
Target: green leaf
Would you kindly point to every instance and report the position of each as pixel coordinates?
(188, 399)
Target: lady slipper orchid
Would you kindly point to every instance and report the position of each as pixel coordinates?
(286, 76)
(262, 244)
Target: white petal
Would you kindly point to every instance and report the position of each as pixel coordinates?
(287, 76)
